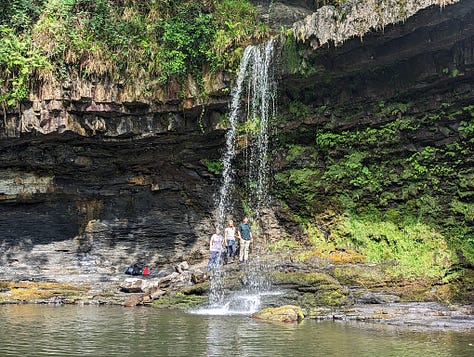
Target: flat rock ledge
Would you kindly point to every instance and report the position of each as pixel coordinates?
(412, 315)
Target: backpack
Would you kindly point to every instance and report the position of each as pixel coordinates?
(135, 269)
(146, 271)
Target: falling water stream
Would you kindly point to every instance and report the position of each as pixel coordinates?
(252, 108)
(251, 111)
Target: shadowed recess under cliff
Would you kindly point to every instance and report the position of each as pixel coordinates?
(117, 200)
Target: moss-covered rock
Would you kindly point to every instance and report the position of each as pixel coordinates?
(180, 301)
(318, 289)
(286, 313)
(330, 297)
(302, 280)
(197, 289)
(369, 275)
(39, 291)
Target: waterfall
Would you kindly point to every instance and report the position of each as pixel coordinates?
(252, 109)
(261, 95)
(256, 87)
(224, 203)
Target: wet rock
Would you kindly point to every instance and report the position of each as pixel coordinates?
(315, 289)
(197, 289)
(376, 298)
(199, 276)
(286, 313)
(134, 300)
(413, 315)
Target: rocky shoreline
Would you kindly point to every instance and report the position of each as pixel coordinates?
(323, 291)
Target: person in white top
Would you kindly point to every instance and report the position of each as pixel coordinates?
(216, 245)
(231, 245)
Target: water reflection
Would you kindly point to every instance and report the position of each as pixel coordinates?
(33, 330)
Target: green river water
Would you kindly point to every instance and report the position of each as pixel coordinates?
(43, 330)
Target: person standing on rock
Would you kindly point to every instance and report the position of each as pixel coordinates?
(216, 245)
(245, 237)
(229, 235)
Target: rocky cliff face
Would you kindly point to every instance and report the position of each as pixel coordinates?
(93, 205)
(94, 176)
(378, 126)
(117, 183)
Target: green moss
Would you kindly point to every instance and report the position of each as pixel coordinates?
(298, 110)
(286, 313)
(197, 289)
(318, 289)
(31, 291)
(302, 279)
(282, 245)
(180, 300)
(334, 297)
(126, 41)
(214, 166)
(383, 186)
(417, 249)
(363, 275)
(293, 59)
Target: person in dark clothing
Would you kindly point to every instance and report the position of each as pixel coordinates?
(245, 237)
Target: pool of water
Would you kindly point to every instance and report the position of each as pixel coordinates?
(43, 330)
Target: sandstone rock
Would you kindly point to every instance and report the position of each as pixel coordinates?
(286, 313)
(169, 279)
(95, 199)
(156, 294)
(58, 178)
(132, 285)
(280, 14)
(198, 276)
(181, 267)
(134, 300)
(197, 289)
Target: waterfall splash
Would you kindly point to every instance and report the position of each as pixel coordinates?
(256, 88)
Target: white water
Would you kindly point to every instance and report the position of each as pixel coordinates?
(256, 88)
(240, 303)
(261, 95)
(224, 203)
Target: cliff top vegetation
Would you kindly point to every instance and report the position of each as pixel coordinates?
(120, 40)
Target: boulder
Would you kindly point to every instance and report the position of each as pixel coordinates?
(181, 267)
(156, 293)
(132, 285)
(198, 276)
(286, 313)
